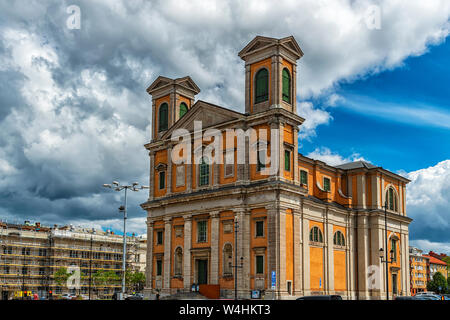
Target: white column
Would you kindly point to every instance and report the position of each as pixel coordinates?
(149, 258)
(214, 247)
(187, 251)
(167, 251)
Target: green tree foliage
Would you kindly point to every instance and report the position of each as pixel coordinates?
(437, 282)
(61, 275)
(105, 278)
(135, 280)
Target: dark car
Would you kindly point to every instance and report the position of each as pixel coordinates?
(321, 297)
(134, 297)
(405, 298)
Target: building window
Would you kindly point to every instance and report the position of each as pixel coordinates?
(158, 267)
(326, 184)
(163, 117)
(41, 271)
(394, 249)
(259, 228)
(42, 252)
(162, 180)
(259, 264)
(261, 159)
(183, 109)
(303, 177)
(201, 231)
(178, 261)
(339, 239)
(391, 199)
(286, 86)
(287, 160)
(159, 237)
(227, 259)
(73, 254)
(180, 175)
(204, 173)
(229, 170)
(262, 86)
(24, 270)
(315, 235)
(6, 269)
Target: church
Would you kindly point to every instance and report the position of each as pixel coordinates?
(301, 228)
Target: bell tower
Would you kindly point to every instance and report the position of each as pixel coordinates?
(171, 100)
(270, 73)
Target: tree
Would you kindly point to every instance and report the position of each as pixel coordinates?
(61, 275)
(135, 280)
(437, 282)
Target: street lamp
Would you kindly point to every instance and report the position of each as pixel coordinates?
(383, 254)
(118, 187)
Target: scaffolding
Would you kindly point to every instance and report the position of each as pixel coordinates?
(30, 254)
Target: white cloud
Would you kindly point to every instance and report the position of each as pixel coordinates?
(313, 118)
(427, 246)
(428, 202)
(332, 158)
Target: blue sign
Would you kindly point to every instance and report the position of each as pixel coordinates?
(320, 282)
(256, 294)
(274, 279)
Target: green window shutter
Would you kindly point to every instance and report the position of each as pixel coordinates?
(286, 86)
(259, 264)
(262, 86)
(320, 235)
(303, 177)
(204, 173)
(163, 117)
(183, 109)
(162, 180)
(391, 199)
(326, 184)
(287, 160)
(201, 235)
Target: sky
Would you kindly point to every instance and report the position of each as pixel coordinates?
(74, 113)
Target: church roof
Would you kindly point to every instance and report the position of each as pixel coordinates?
(356, 165)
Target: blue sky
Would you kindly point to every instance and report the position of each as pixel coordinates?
(394, 142)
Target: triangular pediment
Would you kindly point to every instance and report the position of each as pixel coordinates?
(162, 82)
(260, 43)
(209, 114)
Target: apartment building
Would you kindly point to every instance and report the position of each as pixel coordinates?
(435, 265)
(30, 254)
(418, 270)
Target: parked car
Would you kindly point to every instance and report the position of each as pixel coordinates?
(428, 297)
(136, 296)
(321, 297)
(406, 298)
(446, 297)
(68, 296)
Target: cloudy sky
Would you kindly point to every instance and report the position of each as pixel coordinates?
(74, 113)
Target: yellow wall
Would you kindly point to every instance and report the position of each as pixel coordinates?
(316, 261)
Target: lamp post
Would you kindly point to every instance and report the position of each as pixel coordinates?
(384, 254)
(118, 187)
(236, 266)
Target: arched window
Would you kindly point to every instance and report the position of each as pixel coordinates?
(315, 235)
(204, 172)
(286, 85)
(339, 239)
(227, 259)
(183, 109)
(391, 199)
(163, 117)
(262, 86)
(178, 261)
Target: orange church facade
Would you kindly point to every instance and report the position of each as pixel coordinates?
(318, 227)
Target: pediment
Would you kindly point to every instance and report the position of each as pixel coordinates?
(162, 82)
(209, 114)
(260, 43)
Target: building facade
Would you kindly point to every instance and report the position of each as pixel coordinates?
(31, 254)
(435, 265)
(304, 227)
(418, 270)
